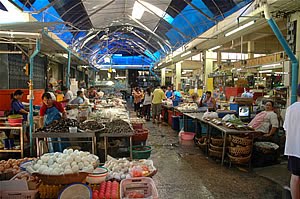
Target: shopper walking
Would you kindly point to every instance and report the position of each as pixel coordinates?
(292, 146)
(147, 104)
(157, 98)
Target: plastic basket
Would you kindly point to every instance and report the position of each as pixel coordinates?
(145, 154)
(140, 135)
(143, 185)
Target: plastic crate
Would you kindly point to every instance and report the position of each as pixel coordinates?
(142, 185)
(30, 194)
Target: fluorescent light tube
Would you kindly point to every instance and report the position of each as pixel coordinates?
(159, 64)
(265, 71)
(239, 28)
(186, 53)
(20, 33)
(214, 48)
(138, 10)
(270, 65)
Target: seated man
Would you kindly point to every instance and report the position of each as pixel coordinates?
(266, 121)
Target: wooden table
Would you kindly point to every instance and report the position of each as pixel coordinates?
(21, 150)
(111, 135)
(44, 136)
(227, 131)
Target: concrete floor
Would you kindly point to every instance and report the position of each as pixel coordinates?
(184, 172)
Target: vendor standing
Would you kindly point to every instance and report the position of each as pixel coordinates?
(50, 111)
(208, 101)
(92, 93)
(169, 93)
(16, 105)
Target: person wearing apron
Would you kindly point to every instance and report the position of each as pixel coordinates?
(50, 111)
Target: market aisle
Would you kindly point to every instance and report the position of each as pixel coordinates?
(184, 172)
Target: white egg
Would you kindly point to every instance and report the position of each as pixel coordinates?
(36, 166)
(40, 162)
(64, 164)
(128, 176)
(70, 151)
(57, 170)
(80, 165)
(65, 151)
(69, 159)
(57, 154)
(75, 168)
(68, 171)
(78, 159)
(68, 167)
(64, 156)
(59, 160)
(123, 176)
(86, 163)
(73, 163)
(81, 153)
(73, 155)
(76, 152)
(84, 159)
(50, 162)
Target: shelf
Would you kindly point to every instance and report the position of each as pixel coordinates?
(10, 150)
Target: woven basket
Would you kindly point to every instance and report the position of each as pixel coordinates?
(243, 100)
(62, 179)
(241, 141)
(217, 154)
(239, 160)
(239, 151)
(216, 148)
(217, 141)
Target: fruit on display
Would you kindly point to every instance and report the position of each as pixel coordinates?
(120, 169)
(107, 190)
(67, 162)
(12, 165)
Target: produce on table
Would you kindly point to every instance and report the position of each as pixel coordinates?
(91, 125)
(188, 107)
(15, 116)
(60, 126)
(123, 169)
(32, 181)
(107, 190)
(67, 162)
(118, 126)
(12, 165)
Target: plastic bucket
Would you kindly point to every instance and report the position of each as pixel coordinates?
(187, 135)
(141, 152)
(175, 123)
(170, 114)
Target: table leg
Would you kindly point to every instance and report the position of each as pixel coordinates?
(22, 142)
(208, 137)
(224, 148)
(37, 147)
(130, 147)
(93, 145)
(105, 148)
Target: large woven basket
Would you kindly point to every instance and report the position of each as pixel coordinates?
(217, 141)
(62, 179)
(243, 100)
(241, 141)
(239, 151)
(239, 160)
(217, 154)
(216, 148)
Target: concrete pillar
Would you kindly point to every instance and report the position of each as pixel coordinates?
(178, 76)
(219, 58)
(250, 49)
(163, 76)
(208, 66)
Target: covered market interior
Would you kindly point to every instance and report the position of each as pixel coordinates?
(146, 99)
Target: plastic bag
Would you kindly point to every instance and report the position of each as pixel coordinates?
(210, 115)
(2, 137)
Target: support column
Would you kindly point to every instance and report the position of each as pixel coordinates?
(163, 76)
(250, 49)
(219, 58)
(208, 68)
(68, 70)
(178, 76)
